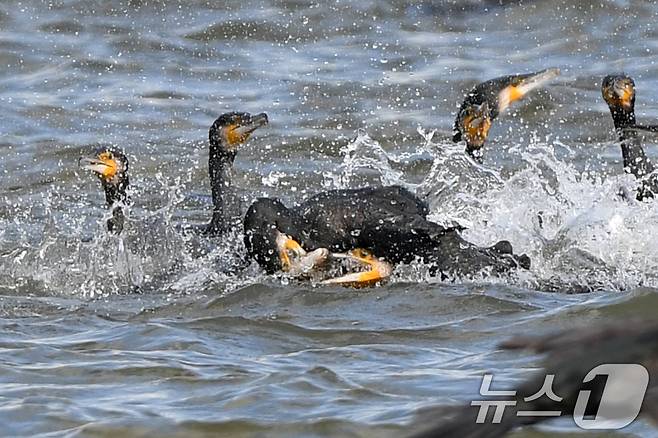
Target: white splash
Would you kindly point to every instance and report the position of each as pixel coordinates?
(575, 226)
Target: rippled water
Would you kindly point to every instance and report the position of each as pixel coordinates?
(149, 334)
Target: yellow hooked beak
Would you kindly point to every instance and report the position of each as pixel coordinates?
(619, 92)
(378, 270)
(294, 259)
(239, 132)
(522, 86)
(104, 165)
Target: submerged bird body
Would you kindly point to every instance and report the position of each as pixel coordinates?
(619, 93)
(487, 100)
(390, 222)
(334, 219)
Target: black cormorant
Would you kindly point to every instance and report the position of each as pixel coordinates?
(111, 166)
(383, 224)
(225, 135)
(489, 99)
(619, 93)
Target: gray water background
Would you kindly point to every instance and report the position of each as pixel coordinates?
(142, 336)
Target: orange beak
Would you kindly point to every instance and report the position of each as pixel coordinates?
(104, 165)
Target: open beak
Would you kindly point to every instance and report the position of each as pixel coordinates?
(240, 132)
(249, 126)
(103, 167)
(523, 86)
(294, 259)
(378, 270)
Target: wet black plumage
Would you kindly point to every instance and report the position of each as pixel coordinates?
(619, 93)
(391, 222)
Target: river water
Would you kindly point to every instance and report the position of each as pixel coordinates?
(150, 334)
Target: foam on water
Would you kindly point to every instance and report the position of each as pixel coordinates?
(576, 226)
(67, 250)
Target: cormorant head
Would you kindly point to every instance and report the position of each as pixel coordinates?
(232, 129)
(489, 99)
(473, 122)
(619, 92)
(111, 167)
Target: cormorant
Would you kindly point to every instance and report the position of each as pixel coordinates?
(225, 135)
(619, 93)
(572, 354)
(111, 167)
(489, 99)
(376, 226)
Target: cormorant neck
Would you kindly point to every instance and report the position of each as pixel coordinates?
(116, 197)
(636, 161)
(116, 193)
(115, 223)
(220, 166)
(623, 117)
(475, 152)
(635, 158)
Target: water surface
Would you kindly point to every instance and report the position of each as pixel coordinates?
(141, 335)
